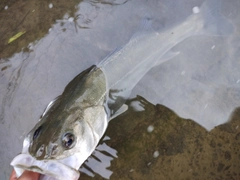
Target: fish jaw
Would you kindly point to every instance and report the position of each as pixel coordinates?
(52, 169)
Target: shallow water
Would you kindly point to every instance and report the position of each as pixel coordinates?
(202, 83)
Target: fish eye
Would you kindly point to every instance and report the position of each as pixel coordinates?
(37, 132)
(68, 140)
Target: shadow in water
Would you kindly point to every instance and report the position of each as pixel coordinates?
(157, 144)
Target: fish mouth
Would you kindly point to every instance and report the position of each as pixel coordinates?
(52, 169)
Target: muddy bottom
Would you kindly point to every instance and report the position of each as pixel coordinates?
(157, 144)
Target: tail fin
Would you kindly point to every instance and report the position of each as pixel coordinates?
(214, 22)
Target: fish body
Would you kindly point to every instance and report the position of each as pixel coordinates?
(72, 125)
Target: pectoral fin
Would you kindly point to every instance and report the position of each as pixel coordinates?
(122, 109)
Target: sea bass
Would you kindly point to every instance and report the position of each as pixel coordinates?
(72, 125)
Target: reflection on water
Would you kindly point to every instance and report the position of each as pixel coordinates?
(201, 83)
(99, 161)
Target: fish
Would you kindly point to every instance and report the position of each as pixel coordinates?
(73, 124)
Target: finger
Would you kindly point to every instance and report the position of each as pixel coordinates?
(29, 175)
(13, 175)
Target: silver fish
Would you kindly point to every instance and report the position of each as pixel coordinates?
(72, 124)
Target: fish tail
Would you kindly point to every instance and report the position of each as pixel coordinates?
(213, 22)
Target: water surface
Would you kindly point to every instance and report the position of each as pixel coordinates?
(202, 83)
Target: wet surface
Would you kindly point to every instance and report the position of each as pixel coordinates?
(61, 39)
(32, 17)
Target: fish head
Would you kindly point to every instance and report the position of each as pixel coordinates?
(58, 148)
(58, 136)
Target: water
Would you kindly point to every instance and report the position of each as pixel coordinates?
(62, 39)
(176, 148)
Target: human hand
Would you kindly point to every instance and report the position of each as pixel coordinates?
(27, 175)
